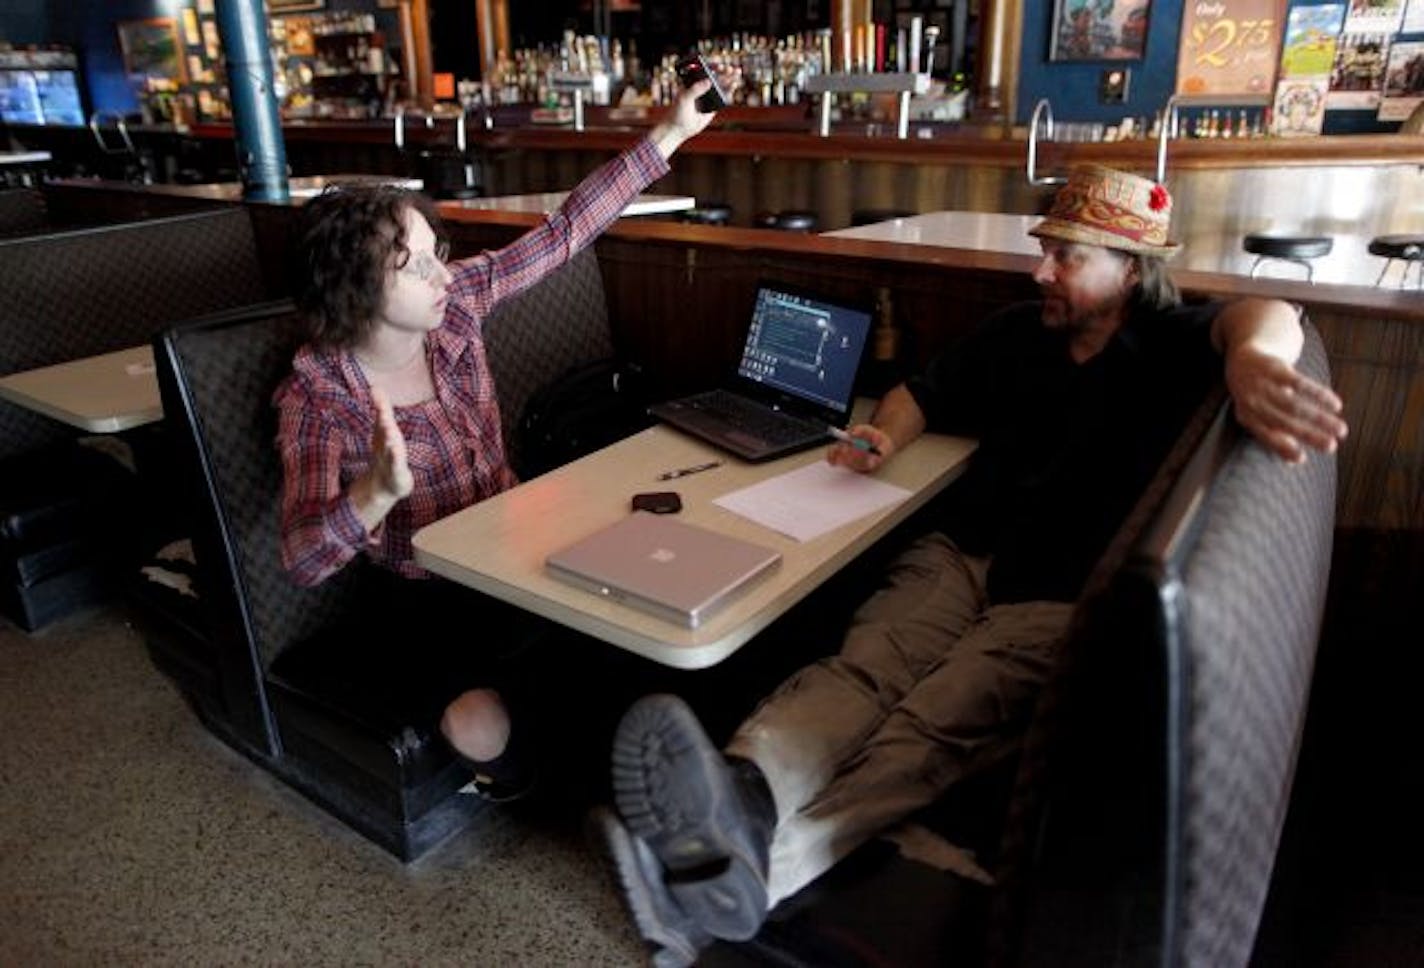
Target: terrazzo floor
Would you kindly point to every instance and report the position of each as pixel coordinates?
(129, 835)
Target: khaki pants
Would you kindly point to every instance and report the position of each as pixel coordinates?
(930, 685)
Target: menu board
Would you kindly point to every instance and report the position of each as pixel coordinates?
(1358, 74)
(1403, 81)
(1229, 47)
(1311, 35)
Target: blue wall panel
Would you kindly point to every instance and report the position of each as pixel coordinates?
(24, 22)
(1072, 87)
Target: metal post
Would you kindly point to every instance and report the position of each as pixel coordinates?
(261, 154)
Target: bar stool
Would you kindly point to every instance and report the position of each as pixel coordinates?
(1287, 248)
(788, 220)
(1409, 249)
(713, 213)
(869, 216)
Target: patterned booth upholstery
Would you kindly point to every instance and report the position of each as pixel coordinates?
(80, 293)
(1151, 793)
(22, 212)
(262, 663)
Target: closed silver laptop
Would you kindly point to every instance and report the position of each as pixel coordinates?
(660, 565)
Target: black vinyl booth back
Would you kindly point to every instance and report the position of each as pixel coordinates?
(219, 376)
(542, 333)
(1167, 747)
(68, 295)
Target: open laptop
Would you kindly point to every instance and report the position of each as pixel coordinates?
(662, 566)
(796, 377)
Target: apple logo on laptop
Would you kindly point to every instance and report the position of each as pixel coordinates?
(663, 555)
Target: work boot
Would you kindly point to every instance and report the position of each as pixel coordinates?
(707, 820)
(674, 937)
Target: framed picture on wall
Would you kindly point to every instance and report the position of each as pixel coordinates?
(150, 50)
(1098, 30)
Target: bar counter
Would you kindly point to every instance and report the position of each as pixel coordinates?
(1365, 185)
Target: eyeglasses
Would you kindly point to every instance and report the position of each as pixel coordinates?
(425, 265)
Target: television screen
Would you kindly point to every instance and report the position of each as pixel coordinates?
(40, 97)
(59, 97)
(19, 98)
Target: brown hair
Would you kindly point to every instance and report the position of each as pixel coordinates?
(350, 236)
(1155, 288)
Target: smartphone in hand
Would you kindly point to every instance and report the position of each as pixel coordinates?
(691, 69)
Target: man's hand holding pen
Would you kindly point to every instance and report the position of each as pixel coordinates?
(875, 450)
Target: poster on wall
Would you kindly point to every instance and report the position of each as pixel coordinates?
(1358, 75)
(1309, 48)
(212, 42)
(191, 35)
(150, 51)
(1228, 47)
(1413, 18)
(1096, 30)
(1374, 16)
(1299, 108)
(1403, 81)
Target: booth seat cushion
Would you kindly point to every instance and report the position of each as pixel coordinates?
(65, 517)
(50, 494)
(369, 720)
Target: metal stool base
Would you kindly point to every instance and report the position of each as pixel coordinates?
(1404, 275)
(1309, 270)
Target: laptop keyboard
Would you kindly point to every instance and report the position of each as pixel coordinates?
(770, 425)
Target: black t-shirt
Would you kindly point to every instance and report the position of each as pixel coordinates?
(1065, 449)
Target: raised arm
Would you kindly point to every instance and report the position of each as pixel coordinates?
(483, 280)
(896, 422)
(1283, 408)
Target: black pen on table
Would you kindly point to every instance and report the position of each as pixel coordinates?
(684, 471)
(859, 443)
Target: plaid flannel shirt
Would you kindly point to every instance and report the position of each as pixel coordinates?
(453, 440)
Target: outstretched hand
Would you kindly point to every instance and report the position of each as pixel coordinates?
(842, 454)
(684, 121)
(686, 116)
(1281, 407)
(390, 471)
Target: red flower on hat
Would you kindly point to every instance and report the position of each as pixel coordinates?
(1158, 199)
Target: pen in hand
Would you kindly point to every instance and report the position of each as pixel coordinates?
(859, 443)
(684, 471)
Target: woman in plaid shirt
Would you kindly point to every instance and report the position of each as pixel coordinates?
(389, 419)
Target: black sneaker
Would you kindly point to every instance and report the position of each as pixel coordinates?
(675, 938)
(677, 793)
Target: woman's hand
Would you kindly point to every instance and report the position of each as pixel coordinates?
(388, 480)
(390, 472)
(686, 119)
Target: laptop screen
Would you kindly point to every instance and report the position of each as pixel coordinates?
(804, 346)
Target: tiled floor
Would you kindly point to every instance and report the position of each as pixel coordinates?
(128, 835)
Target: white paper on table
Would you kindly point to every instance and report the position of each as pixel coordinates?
(811, 500)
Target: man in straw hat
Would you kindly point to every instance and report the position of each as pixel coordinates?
(1075, 400)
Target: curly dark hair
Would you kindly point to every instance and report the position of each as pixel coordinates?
(349, 236)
